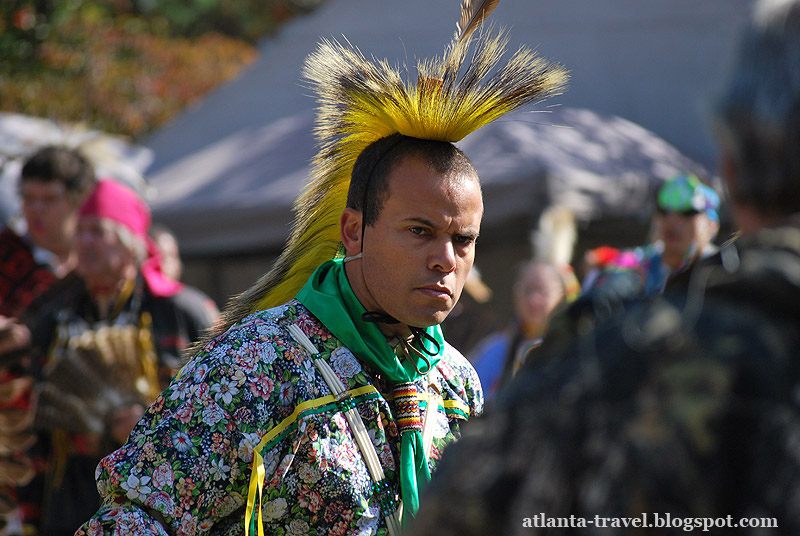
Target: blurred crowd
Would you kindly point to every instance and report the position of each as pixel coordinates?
(93, 323)
(684, 224)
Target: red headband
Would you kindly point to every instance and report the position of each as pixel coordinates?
(116, 202)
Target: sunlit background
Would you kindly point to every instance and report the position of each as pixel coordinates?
(200, 103)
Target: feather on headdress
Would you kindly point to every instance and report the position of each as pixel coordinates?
(362, 100)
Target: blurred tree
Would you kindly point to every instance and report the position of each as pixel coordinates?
(246, 19)
(127, 66)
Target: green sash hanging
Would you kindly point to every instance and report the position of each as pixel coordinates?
(329, 297)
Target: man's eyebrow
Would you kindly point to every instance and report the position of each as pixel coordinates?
(472, 233)
(421, 220)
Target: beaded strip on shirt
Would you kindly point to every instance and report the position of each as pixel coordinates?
(390, 507)
(407, 408)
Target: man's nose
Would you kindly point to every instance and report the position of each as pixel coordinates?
(443, 258)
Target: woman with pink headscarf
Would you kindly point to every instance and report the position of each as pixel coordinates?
(107, 340)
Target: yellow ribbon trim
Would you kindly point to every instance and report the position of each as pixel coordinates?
(257, 476)
(256, 488)
(456, 404)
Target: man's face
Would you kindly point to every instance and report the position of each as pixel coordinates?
(420, 250)
(102, 257)
(681, 232)
(50, 213)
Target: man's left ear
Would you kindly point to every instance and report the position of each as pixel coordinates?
(350, 229)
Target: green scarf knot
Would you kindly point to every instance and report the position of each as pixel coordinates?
(329, 297)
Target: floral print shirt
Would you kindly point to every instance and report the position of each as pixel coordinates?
(186, 468)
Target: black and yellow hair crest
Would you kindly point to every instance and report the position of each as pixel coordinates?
(362, 100)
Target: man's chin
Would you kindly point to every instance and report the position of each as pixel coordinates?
(429, 319)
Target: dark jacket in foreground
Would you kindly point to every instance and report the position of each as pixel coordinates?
(687, 405)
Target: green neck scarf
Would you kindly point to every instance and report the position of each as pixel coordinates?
(329, 297)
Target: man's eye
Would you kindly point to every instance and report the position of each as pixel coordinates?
(418, 230)
(464, 239)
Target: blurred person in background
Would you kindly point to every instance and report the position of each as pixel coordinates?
(167, 243)
(106, 340)
(683, 404)
(685, 223)
(540, 289)
(53, 182)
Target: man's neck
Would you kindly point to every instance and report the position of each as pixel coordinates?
(61, 262)
(533, 331)
(389, 330)
(399, 331)
(673, 261)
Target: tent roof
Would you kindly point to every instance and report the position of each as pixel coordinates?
(654, 63)
(237, 194)
(227, 171)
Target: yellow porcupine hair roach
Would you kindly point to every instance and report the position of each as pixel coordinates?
(362, 100)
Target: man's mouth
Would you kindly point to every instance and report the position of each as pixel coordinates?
(440, 292)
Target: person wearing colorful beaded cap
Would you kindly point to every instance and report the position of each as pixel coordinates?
(685, 223)
(687, 220)
(323, 400)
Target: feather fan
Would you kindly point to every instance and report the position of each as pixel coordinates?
(89, 377)
(361, 101)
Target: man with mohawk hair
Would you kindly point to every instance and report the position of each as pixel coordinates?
(325, 398)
